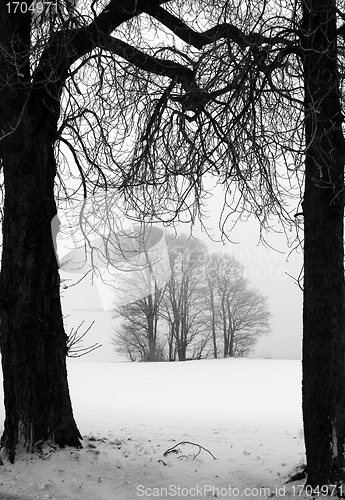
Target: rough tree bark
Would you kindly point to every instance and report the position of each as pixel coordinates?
(324, 295)
(33, 341)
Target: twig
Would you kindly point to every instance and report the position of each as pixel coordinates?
(172, 450)
(77, 283)
(74, 340)
(162, 461)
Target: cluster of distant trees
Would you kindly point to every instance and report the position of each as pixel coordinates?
(206, 309)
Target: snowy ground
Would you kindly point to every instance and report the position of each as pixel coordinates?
(245, 412)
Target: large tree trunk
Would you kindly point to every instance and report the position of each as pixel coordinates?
(324, 296)
(33, 341)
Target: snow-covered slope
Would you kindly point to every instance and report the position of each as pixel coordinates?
(244, 412)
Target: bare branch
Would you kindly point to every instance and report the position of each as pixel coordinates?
(74, 348)
(222, 30)
(148, 63)
(172, 449)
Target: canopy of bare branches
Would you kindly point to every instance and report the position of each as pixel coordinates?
(152, 96)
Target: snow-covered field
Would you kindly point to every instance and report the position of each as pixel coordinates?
(244, 412)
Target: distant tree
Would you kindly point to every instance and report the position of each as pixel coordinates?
(128, 344)
(201, 347)
(184, 306)
(205, 309)
(211, 298)
(143, 291)
(239, 313)
(137, 335)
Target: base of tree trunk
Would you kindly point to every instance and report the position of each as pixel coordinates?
(8, 452)
(298, 476)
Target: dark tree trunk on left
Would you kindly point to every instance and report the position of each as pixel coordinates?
(33, 341)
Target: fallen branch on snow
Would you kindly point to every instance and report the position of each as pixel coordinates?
(173, 449)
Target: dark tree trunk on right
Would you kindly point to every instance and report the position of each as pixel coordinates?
(324, 297)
